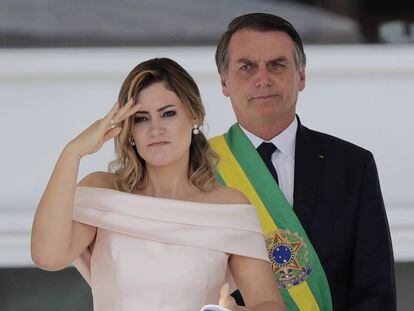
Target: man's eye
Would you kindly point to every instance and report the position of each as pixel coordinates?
(246, 67)
(277, 65)
(139, 119)
(169, 114)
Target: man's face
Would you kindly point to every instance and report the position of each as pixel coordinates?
(262, 79)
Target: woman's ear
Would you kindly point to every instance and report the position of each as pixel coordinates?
(196, 120)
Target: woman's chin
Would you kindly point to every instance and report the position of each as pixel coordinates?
(160, 161)
(160, 164)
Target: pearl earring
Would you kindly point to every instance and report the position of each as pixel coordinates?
(196, 129)
(131, 142)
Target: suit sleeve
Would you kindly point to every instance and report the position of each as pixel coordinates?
(373, 281)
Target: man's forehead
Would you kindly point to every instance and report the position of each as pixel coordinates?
(255, 45)
(262, 59)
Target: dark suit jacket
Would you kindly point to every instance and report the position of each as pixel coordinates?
(338, 200)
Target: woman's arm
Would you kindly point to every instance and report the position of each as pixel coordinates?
(254, 278)
(53, 228)
(56, 239)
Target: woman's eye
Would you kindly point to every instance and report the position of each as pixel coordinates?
(169, 114)
(139, 119)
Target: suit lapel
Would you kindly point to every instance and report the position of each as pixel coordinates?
(308, 168)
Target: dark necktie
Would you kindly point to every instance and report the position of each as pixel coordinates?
(266, 150)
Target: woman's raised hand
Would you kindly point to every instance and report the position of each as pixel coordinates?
(102, 130)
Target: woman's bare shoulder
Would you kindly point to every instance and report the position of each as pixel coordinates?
(98, 180)
(225, 195)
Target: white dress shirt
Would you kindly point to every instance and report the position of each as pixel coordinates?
(283, 158)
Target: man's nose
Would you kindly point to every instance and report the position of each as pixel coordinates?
(263, 77)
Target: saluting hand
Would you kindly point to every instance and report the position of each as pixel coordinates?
(102, 130)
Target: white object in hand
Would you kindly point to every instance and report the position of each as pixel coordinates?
(214, 308)
(225, 299)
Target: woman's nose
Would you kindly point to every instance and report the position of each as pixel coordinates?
(156, 128)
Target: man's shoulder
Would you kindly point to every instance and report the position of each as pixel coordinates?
(330, 143)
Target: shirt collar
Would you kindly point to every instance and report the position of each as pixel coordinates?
(285, 141)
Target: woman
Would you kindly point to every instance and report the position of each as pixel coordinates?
(157, 233)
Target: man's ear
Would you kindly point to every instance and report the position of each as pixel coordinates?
(302, 79)
(223, 81)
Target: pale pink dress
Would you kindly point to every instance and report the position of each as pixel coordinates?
(161, 254)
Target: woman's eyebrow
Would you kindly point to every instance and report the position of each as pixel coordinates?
(165, 107)
(158, 110)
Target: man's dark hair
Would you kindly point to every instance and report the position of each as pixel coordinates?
(260, 22)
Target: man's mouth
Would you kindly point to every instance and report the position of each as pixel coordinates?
(263, 97)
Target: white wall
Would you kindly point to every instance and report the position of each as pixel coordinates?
(359, 93)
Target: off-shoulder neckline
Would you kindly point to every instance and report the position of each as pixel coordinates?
(161, 199)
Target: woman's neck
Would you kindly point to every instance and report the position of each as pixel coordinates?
(170, 181)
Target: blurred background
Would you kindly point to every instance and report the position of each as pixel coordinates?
(62, 64)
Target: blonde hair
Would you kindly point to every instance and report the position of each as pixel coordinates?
(129, 167)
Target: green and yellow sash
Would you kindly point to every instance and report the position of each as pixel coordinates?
(296, 266)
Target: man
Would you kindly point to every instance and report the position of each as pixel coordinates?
(318, 197)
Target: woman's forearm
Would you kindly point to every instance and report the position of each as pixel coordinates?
(52, 224)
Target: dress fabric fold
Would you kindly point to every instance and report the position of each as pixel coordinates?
(161, 254)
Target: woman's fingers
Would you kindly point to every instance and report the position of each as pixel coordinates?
(230, 304)
(115, 116)
(109, 116)
(118, 117)
(125, 112)
(111, 133)
(224, 293)
(131, 111)
(227, 301)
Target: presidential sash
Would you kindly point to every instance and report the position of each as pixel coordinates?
(296, 266)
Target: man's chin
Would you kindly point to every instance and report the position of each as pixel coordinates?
(267, 114)
(272, 116)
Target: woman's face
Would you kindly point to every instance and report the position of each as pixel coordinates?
(162, 126)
